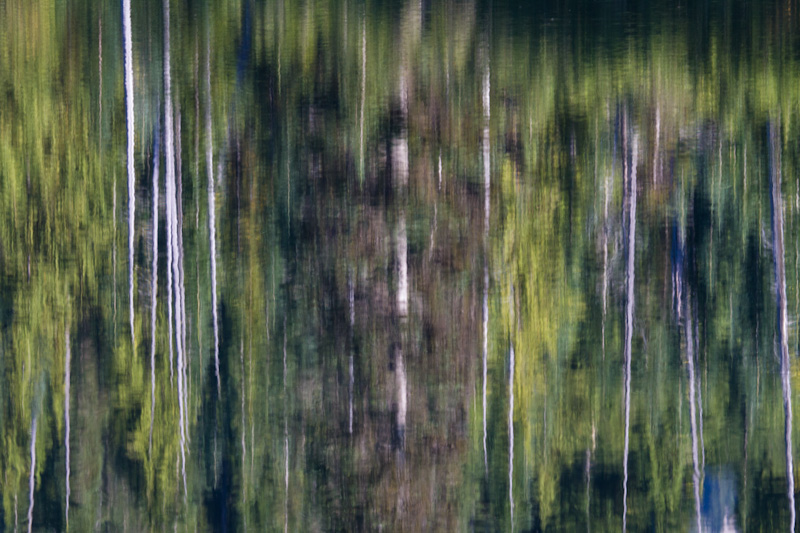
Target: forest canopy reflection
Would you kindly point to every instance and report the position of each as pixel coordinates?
(339, 265)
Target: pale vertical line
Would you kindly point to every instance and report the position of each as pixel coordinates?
(212, 225)
(401, 382)
(173, 240)
(67, 374)
(485, 356)
(656, 166)
(486, 208)
(700, 403)
(511, 433)
(783, 326)
(285, 440)
(181, 275)
(351, 301)
(692, 409)
(114, 252)
(100, 81)
(402, 260)
(31, 479)
(607, 199)
(629, 322)
(363, 93)
(126, 29)
(153, 298)
(243, 439)
(486, 145)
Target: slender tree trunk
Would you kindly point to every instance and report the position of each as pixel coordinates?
(511, 371)
(243, 439)
(690, 358)
(212, 225)
(285, 440)
(401, 252)
(487, 176)
(606, 228)
(351, 387)
(656, 165)
(778, 253)
(363, 95)
(126, 29)
(485, 355)
(175, 262)
(181, 273)
(154, 294)
(114, 252)
(32, 478)
(100, 79)
(629, 317)
(67, 373)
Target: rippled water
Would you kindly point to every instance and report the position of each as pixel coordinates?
(416, 266)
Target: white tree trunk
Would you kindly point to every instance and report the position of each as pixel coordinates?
(32, 478)
(126, 29)
(173, 242)
(778, 253)
(67, 373)
(629, 318)
(212, 224)
(153, 298)
(690, 358)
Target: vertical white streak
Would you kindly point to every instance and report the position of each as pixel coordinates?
(286, 476)
(352, 384)
(485, 355)
(179, 258)
(67, 373)
(692, 402)
(402, 266)
(402, 394)
(350, 299)
(700, 403)
(656, 167)
(486, 147)
(196, 135)
(780, 287)
(440, 169)
(400, 143)
(285, 441)
(114, 250)
(250, 401)
(173, 240)
(629, 321)
(170, 308)
(363, 94)
(126, 30)
(100, 80)
(400, 160)
(31, 479)
(605, 257)
(212, 225)
(486, 210)
(153, 301)
(244, 443)
(511, 371)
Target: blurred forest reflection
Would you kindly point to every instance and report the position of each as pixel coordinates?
(358, 265)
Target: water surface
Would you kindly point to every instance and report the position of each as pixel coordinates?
(401, 266)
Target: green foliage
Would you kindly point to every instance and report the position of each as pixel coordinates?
(309, 102)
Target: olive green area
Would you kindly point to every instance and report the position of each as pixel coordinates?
(390, 181)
